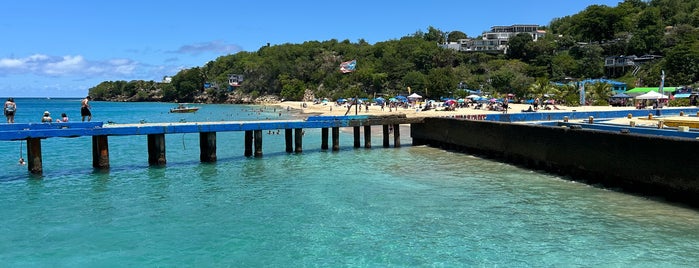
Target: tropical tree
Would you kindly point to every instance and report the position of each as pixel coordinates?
(541, 87)
(569, 94)
(598, 93)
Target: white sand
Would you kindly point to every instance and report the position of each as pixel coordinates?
(332, 109)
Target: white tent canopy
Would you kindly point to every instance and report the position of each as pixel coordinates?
(651, 95)
(414, 96)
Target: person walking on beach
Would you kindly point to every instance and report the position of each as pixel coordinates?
(9, 110)
(85, 109)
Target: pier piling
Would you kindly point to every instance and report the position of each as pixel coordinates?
(100, 152)
(34, 163)
(156, 150)
(336, 138)
(356, 137)
(207, 147)
(386, 137)
(248, 143)
(396, 136)
(298, 140)
(288, 139)
(258, 142)
(324, 138)
(367, 137)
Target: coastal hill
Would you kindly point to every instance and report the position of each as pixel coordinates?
(574, 48)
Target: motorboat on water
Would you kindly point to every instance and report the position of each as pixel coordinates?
(184, 108)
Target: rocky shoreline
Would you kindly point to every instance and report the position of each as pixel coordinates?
(235, 97)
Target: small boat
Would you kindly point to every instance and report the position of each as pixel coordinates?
(183, 108)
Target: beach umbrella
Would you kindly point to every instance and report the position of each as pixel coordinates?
(473, 96)
(460, 100)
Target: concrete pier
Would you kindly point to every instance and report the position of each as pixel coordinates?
(654, 165)
(156, 132)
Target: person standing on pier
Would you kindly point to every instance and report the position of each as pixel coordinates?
(85, 109)
(9, 110)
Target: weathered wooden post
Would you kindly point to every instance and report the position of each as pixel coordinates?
(288, 139)
(156, 149)
(100, 152)
(298, 140)
(336, 138)
(386, 137)
(34, 164)
(248, 143)
(356, 136)
(324, 138)
(396, 135)
(207, 146)
(367, 136)
(258, 143)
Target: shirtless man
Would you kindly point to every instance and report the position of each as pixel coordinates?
(85, 109)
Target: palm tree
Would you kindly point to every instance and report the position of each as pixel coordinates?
(570, 94)
(599, 93)
(541, 87)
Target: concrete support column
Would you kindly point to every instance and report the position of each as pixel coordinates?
(34, 164)
(298, 140)
(336, 138)
(356, 137)
(258, 142)
(386, 137)
(248, 143)
(367, 136)
(100, 152)
(288, 137)
(396, 135)
(207, 147)
(156, 150)
(324, 138)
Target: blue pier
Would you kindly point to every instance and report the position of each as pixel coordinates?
(33, 133)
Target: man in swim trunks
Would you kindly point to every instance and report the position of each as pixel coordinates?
(85, 109)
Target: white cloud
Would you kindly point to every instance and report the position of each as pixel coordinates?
(10, 63)
(66, 66)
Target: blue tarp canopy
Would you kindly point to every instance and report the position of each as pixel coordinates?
(621, 96)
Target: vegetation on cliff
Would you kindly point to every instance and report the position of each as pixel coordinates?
(575, 47)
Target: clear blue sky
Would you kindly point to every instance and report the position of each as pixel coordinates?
(62, 48)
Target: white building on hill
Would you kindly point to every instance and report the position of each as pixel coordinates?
(495, 41)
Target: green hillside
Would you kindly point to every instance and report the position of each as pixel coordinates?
(574, 48)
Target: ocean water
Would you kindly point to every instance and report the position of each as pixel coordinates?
(412, 206)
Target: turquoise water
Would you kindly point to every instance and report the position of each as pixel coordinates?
(408, 207)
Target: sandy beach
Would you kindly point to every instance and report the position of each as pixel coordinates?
(333, 109)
